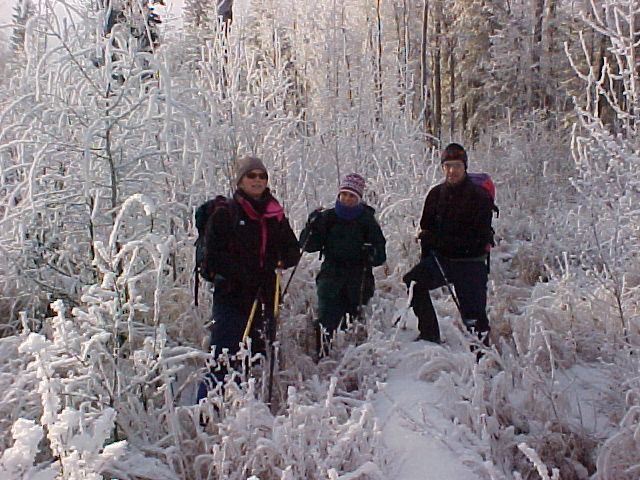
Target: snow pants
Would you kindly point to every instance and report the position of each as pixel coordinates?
(342, 291)
(468, 277)
(228, 327)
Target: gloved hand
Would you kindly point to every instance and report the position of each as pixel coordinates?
(313, 216)
(428, 241)
(368, 251)
(317, 221)
(416, 274)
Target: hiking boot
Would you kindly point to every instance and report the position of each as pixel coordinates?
(436, 340)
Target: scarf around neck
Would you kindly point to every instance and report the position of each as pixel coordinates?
(348, 213)
(261, 210)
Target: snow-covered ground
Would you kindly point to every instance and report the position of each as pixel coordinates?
(422, 439)
(106, 151)
(414, 427)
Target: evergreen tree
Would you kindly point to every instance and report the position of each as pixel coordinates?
(472, 27)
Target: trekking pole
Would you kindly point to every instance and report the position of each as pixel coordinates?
(274, 328)
(469, 324)
(252, 314)
(304, 244)
(403, 311)
(367, 248)
(446, 281)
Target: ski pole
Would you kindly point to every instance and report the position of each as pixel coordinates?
(446, 281)
(274, 327)
(252, 315)
(367, 248)
(469, 324)
(304, 244)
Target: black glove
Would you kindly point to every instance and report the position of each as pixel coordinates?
(368, 252)
(313, 216)
(416, 274)
(317, 221)
(428, 241)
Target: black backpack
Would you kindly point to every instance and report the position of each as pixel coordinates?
(203, 213)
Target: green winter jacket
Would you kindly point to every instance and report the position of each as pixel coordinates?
(342, 242)
(350, 248)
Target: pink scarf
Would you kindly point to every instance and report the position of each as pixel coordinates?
(271, 210)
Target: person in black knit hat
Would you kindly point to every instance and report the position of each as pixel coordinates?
(455, 237)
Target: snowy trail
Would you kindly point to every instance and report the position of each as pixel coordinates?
(413, 427)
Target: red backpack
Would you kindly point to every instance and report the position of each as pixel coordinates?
(483, 180)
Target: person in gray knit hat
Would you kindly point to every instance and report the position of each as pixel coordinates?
(351, 241)
(243, 165)
(245, 243)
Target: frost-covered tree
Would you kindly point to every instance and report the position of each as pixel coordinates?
(606, 155)
(78, 138)
(23, 11)
(136, 17)
(205, 23)
(472, 26)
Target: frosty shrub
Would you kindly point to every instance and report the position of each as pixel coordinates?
(605, 148)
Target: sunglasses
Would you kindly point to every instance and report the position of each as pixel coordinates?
(254, 175)
(450, 164)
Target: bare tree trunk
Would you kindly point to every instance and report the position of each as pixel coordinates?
(535, 47)
(425, 96)
(225, 10)
(437, 74)
(347, 61)
(404, 45)
(546, 62)
(378, 72)
(465, 119)
(452, 90)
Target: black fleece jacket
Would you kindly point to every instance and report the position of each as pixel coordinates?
(247, 241)
(456, 220)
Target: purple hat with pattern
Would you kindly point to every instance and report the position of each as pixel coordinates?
(353, 183)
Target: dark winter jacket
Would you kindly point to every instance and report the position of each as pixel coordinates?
(342, 242)
(350, 249)
(247, 240)
(456, 220)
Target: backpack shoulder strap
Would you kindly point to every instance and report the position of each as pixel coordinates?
(234, 211)
(221, 202)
